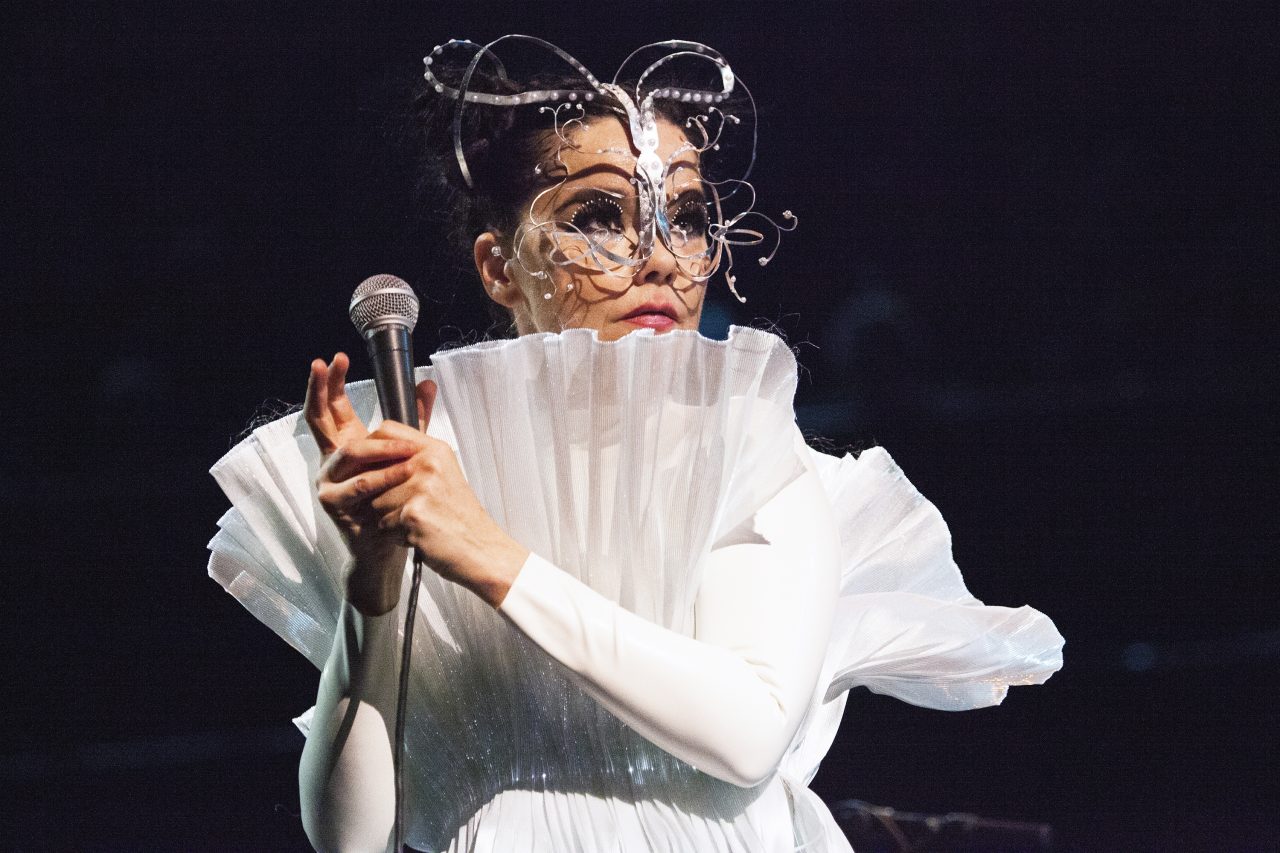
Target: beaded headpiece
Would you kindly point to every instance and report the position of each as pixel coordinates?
(670, 201)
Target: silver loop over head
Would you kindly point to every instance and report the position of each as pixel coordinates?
(464, 95)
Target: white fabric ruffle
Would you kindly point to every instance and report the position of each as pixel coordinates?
(622, 463)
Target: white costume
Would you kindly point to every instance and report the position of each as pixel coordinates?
(672, 661)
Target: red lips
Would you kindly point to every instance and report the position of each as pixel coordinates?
(653, 308)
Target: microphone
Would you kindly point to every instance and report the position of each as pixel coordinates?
(384, 310)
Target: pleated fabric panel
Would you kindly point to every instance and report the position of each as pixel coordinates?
(622, 463)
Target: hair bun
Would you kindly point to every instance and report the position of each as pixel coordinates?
(483, 127)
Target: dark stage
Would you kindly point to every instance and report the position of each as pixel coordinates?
(1036, 261)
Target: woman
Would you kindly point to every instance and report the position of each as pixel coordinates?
(649, 596)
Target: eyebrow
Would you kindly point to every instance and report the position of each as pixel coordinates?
(567, 195)
(599, 168)
(683, 163)
(690, 194)
(582, 194)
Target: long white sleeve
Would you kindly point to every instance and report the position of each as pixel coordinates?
(729, 699)
(346, 777)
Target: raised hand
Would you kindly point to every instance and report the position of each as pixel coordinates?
(432, 508)
(356, 469)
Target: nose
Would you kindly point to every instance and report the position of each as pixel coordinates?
(660, 267)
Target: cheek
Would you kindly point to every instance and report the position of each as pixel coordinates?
(584, 301)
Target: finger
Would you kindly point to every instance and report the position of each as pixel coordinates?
(425, 392)
(362, 454)
(338, 404)
(391, 501)
(337, 387)
(402, 432)
(390, 518)
(338, 374)
(316, 408)
(349, 495)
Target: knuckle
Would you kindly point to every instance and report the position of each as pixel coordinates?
(414, 511)
(442, 452)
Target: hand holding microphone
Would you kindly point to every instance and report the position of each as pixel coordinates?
(357, 466)
(397, 486)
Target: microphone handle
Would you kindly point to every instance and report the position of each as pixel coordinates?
(391, 351)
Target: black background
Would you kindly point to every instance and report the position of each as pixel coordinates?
(1035, 262)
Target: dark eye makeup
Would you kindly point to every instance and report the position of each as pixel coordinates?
(691, 217)
(599, 215)
(596, 214)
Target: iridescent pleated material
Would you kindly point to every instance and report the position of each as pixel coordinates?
(622, 463)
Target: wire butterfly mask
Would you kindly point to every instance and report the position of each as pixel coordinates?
(613, 229)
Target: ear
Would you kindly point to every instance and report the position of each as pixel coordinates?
(493, 271)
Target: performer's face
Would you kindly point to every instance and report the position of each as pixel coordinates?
(593, 234)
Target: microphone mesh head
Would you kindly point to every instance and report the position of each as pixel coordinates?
(382, 300)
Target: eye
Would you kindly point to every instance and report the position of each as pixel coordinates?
(598, 216)
(690, 220)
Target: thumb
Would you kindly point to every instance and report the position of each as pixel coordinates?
(425, 394)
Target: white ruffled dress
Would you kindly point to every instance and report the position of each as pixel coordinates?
(621, 463)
